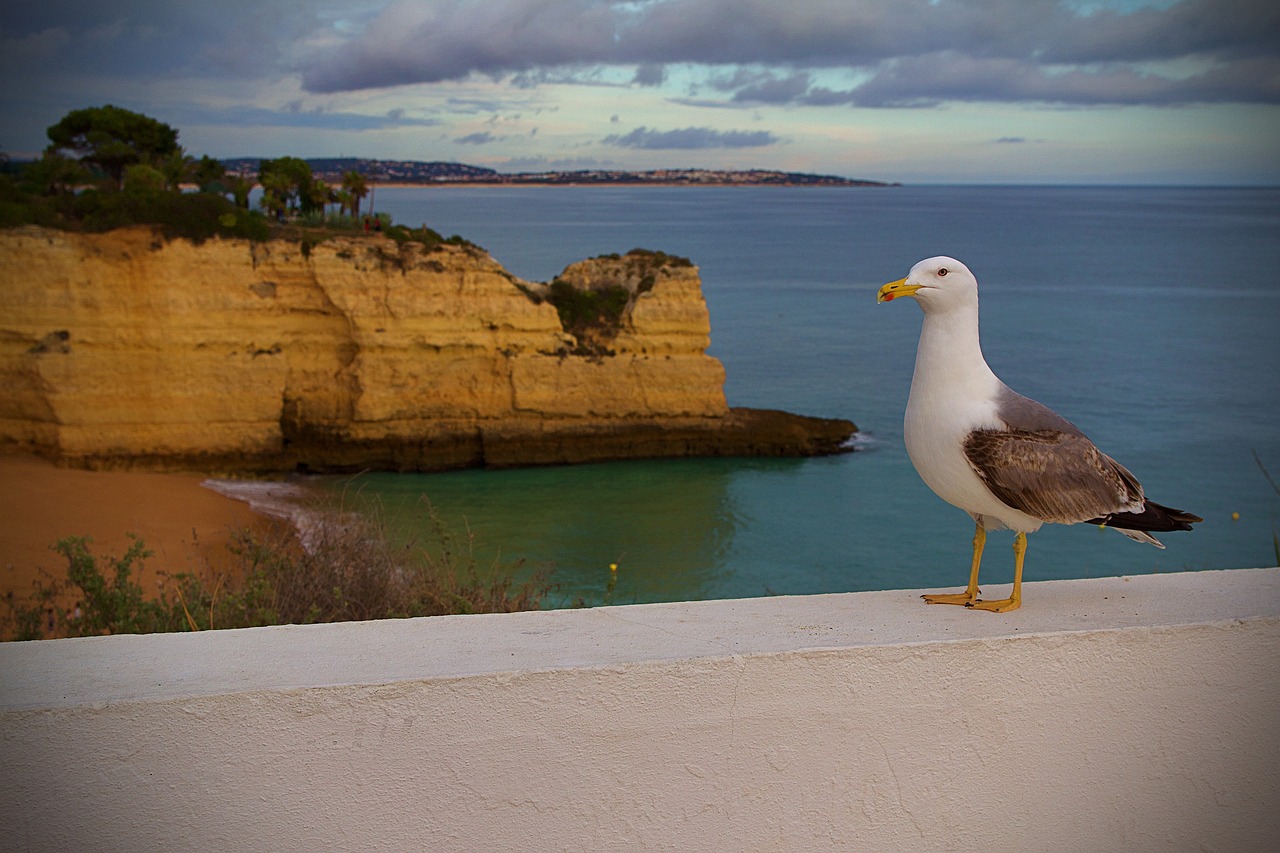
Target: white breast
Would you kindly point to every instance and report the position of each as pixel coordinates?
(953, 392)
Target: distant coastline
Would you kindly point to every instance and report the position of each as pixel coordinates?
(418, 173)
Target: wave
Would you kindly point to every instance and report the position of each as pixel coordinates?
(289, 502)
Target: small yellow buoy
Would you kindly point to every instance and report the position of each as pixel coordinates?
(1235, 516)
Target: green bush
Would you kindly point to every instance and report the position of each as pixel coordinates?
(13, 214)
(108, 600)
(588, 313)
(194, 216)
(660, 258)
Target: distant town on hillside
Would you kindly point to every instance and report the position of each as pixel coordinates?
(436, 173)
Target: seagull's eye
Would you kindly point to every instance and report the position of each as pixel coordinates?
(942, 271)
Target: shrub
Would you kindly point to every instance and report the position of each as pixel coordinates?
(588, 313)
(195, 216)
(108, 601)
(661, 258)
(345, 566)
(351, 568)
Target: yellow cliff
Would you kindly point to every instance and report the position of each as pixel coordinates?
(124, 349)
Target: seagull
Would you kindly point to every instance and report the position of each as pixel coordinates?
(1008, 461)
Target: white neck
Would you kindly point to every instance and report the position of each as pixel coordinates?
(949, 360)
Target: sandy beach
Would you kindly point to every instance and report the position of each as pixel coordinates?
(185, 524)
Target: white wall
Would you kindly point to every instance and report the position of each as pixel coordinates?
(1114, 714)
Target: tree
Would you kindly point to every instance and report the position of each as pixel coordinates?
(177, 168)
(113, 139)
(210, 175)
(343, 198)
(53, 174)
(275, 194)
(316, 196)
(239, 186)
(143, 178)
(289, 180)
(353, 182)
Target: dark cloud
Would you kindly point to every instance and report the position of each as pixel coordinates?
(484, 137)
(430, 42)
(1038, 50)
(691, 138)
(161, 38)
(650, 75)
(293, 115)
(771, 89)
(928, 80)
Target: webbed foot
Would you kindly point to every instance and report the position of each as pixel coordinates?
(1002, 605)
(965, 599)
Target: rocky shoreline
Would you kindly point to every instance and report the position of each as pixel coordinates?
(514, 444)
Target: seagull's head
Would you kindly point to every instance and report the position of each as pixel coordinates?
(938, 284)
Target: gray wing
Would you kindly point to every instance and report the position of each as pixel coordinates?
(1021, 412)
(1042, 465)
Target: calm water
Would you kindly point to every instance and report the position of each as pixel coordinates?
(1147, 316)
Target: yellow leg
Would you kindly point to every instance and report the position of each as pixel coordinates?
(1014, 601)
(970, 594)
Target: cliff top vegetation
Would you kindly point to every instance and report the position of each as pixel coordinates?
(107, 167)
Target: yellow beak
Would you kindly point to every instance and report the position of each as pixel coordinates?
(894, 289)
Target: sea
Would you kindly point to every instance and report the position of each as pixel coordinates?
(1148, 316)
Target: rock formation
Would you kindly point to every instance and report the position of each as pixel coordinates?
(124, 349)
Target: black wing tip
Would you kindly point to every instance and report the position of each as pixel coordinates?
(1154, 518)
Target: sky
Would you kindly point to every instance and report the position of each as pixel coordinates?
(917, 91)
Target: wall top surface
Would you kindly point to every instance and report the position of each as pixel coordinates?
(161, 667)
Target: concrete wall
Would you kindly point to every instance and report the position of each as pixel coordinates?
(1115, 714)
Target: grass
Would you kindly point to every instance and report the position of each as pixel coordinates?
(344, 567)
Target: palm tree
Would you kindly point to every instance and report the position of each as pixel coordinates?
(275, 194)
(178, 168)
(210, 175)
(354, 183)
(239, 186)
(344, 200)
(313, 196)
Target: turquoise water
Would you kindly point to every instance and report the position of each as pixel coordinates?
(1148, 316)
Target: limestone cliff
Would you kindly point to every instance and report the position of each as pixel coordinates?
(126, 349)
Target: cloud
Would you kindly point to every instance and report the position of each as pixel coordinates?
(42, 46)
(691, 138)
(650, 74)
(484, 137)
(422, 42)
(293, 115)
(160, 38)
(1053, 51)
(948, 76)
(773, 89)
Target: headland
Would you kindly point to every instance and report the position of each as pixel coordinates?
(436, 173)
(345, 353)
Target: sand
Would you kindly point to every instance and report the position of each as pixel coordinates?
(185, 524)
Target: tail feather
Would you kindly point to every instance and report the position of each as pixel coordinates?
(1153, 518)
